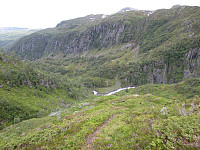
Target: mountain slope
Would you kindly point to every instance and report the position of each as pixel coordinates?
(26, 92)
(69, 39)
(147, 117)
(138, 47)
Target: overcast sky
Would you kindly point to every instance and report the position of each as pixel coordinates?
(47, 13)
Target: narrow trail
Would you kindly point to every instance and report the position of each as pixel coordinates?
(89, 144)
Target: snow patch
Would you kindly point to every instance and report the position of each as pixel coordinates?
(104, 16)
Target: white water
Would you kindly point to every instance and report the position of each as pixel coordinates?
(95, 92)
(118, 90)
(113, 92)
(57, 113)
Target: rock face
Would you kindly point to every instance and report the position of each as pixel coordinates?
(93, 37)
(69, 37)
(163, 72)
(192, 63)
(33, 47)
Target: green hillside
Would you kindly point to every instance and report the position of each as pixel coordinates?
(26, 92)
(147, 117)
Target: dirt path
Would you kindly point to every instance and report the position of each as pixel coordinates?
(89, 144)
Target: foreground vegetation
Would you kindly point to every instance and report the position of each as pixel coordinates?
(147, 117)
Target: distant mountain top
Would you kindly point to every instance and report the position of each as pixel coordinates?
(10, 29)
(127, 9)
(8, 35)
(176, 6)
(80, 21)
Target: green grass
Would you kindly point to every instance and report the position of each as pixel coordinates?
(184, 90)
(25, 103)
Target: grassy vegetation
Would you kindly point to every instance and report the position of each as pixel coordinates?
(187, 89)
(128, 121)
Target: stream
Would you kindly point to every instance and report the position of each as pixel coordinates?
(57, 113)
(113, 92)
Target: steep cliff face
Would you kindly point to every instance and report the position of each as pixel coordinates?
(32, 46)
(173, 65)
(162, 72)
(169, 46)
(82, 34)
(192, 63)
(139, 46)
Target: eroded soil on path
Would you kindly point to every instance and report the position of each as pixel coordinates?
(89, 144)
